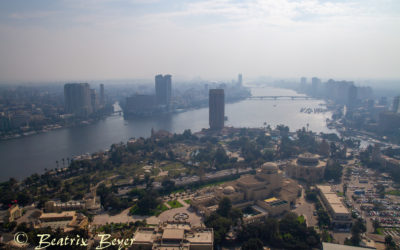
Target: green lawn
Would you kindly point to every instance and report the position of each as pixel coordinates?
(174, 204)
(160, 208)
(394, 192)
(379, 231)
(187, 201)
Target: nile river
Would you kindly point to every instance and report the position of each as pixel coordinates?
(32, 154)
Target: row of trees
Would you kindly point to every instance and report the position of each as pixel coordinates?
(290, 232)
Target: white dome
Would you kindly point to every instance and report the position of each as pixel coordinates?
(229, 190)
(269, 166)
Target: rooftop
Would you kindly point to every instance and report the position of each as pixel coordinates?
(173, 234)
(333, 200)
(58, 215)
(201, 237)
(331, 246)
(144, 235)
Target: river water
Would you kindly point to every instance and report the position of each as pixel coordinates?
(22, 157)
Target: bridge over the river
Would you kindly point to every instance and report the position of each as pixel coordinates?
(275, 97)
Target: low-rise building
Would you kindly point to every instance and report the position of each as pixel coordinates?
(248, 189)
(339, 214)
(65, 220)
(11, 214)
(274, 206)
(174, 235)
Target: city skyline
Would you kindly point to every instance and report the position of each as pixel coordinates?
(82, 40)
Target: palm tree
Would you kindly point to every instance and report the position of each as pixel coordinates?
(63, 160)
(57, 163)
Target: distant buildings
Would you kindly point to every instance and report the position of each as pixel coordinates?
(351, 96)
(163, 90)
(140, 105)
(240, 80)
(315, 85)
(102, 97)
(147, 105)
(216, 109)
(395, 107)
(303, 83)
(77, 98)
(80, 100)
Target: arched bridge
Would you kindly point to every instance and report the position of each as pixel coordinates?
(275, 97)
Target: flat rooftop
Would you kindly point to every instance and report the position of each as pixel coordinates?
(173, 234)
(144, 236)
(332, 246)
(205, 237)
(57, 215)
(333, 200)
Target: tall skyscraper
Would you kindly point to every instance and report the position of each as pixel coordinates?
(77, 99)
(163, 89)
(315, 85)
(303, 83)
(396, 104)
(102, 99)
(94, 100)
(240, 80)
(352, 96)
(216, 108)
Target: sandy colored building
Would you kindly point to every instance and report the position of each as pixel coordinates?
(267, 182)
(11, 214)
(274, 206)
(339, 214)
(174, 235)
(65, 220)
(307, 167)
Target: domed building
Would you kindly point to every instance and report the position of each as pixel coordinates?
(229, 190)
(267, 182)
(307, 167)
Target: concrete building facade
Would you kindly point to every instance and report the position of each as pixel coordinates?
(216, 109)
(77, 99)
(163, 85)
(174, 235)
(339, 214)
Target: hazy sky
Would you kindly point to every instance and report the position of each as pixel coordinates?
(106, 39)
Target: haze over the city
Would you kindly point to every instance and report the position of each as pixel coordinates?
(94, 40)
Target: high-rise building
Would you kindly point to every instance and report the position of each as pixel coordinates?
(240, 80)
(352, 96)
(77, 99)
(216, 108)
(102, 99)
(303, 83)
(163, 89)
(94, 100)
(396, 102)
(315, 85)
